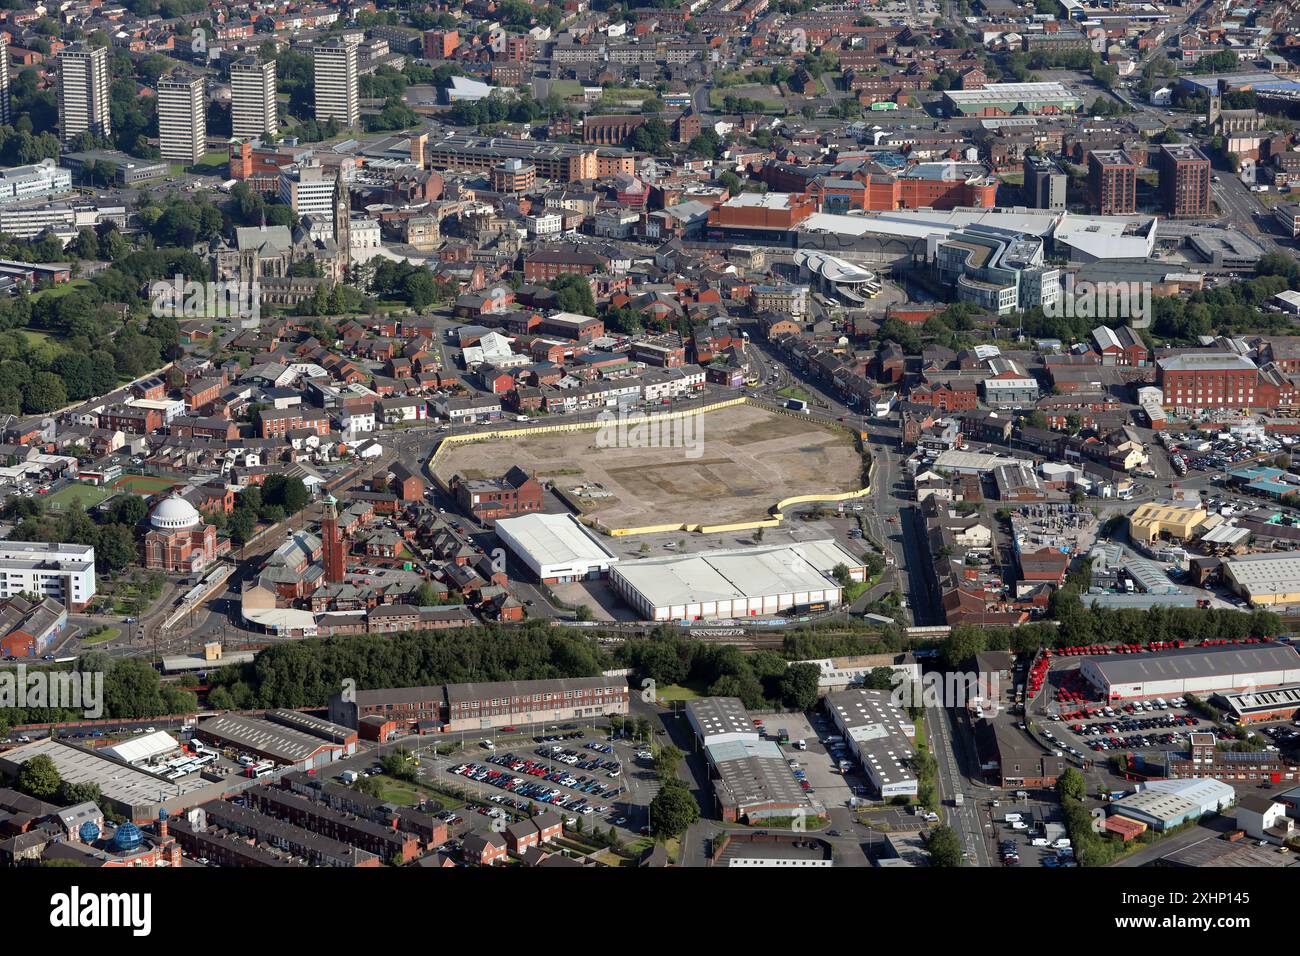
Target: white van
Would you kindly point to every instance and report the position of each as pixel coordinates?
(1013, 818)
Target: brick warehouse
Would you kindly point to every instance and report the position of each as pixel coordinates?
(1221, 380)
(454, 708)
(487, 499)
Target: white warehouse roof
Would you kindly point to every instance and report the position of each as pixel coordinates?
(146, 747)
(736, 573)
(1268, 573)
(1170, 801)
(551, 539)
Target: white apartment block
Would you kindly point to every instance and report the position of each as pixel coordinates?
(83, 92)
(27, 223)
(182, 118)
(65, 572)
(336, 84)
(44, 180)
(253, 111)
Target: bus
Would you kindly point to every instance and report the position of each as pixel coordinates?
(883, 106)
(783, 736)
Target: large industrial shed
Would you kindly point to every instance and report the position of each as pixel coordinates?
(555, 547)
(740, 582)
(288, 737)
(1201, 670)
(1162, 804)
(880, 734)
(1265, 580)
(751, 779)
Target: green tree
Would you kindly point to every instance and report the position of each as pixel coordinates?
(673, 810)
(944, 847)
(39, 778)
(573, 294)
(667, 760)
(799, 686)
(1071, 784)
(399, 764)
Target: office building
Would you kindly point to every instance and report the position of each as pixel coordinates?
(43, 180)
(1198, 380)
(996, 269)
(308, 190)
(83, 92)
(1112, 182)
(1184, 180)
(182, 117)
(1044, 183)
(336, 84)
(65, 572)
(253, 112)
(564, 162)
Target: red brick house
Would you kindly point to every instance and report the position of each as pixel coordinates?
(484, 849)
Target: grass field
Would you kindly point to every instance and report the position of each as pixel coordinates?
(106, 635)
(143, 485)
(211, 162)
(60, 290)
(38, 336)
(763, 94)
(413, 794)
(679, 692)
(566, 88)
(88, 495)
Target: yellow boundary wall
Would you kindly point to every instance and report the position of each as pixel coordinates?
(776, 512)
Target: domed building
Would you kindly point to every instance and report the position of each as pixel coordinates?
(178, 539)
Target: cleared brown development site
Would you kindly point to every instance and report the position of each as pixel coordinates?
(737, 463)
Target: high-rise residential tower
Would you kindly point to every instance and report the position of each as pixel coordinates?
(83, 92)
(6, 103)
(182, 117)
(336, 84)
(253, 112)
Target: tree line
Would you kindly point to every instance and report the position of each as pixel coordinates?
(308, 673)
(133, 690)
(760, 680)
